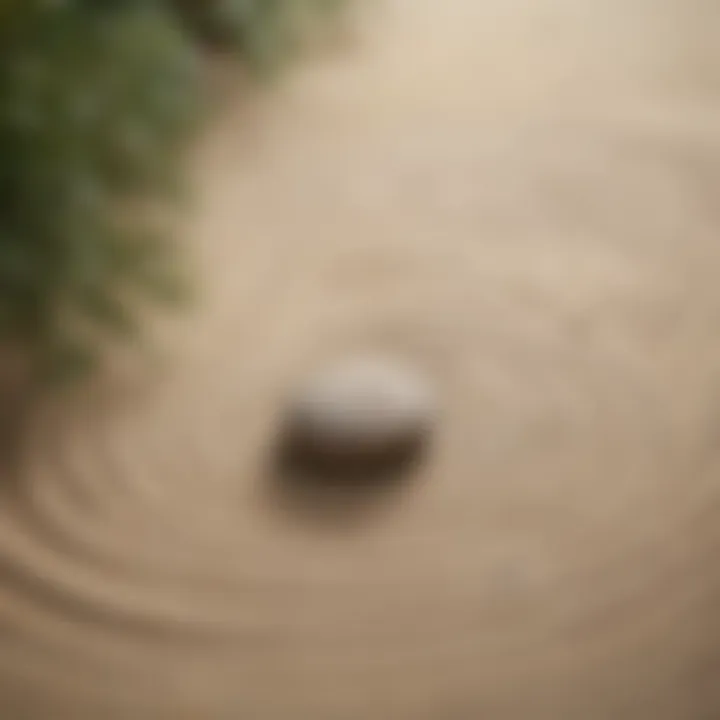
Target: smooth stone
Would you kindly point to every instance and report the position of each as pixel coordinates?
(362, 411)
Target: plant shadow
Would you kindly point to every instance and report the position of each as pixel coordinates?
(17, 404)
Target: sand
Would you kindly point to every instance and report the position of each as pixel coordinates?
(522, 197)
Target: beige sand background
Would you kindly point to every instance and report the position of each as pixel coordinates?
(522, 196)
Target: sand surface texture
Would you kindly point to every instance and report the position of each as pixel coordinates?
(521, 196)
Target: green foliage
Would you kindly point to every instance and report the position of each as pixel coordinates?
(266, 32)
(98, 99)
(96, 102)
